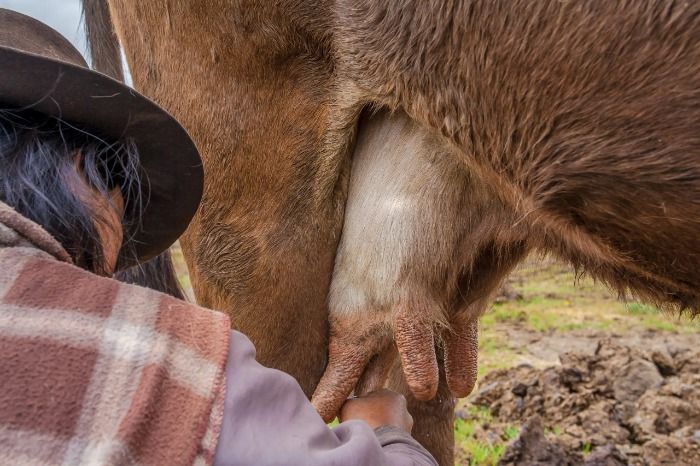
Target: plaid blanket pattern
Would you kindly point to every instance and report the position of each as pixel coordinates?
(93, 371)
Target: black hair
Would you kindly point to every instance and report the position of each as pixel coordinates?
(38, 169)
(157, 274)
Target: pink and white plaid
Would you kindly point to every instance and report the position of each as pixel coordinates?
(93, 371)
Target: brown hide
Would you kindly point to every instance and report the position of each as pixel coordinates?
(585, 113)
(102, 39)
(254, 87)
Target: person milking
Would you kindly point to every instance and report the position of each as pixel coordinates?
(96, 177)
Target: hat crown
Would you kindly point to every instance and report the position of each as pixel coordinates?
(26, 34)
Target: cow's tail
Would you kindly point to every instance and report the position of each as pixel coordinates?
(103, 43)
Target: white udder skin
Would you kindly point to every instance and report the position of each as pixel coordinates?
(404, 222)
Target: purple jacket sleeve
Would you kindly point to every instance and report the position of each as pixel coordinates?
(269, 421)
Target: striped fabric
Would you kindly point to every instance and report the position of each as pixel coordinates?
(93, 371)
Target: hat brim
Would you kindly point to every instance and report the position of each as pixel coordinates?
(172, 168)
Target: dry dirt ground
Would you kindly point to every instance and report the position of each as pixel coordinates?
(619, 404)
(571, 375)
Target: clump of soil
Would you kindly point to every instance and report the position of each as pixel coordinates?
(508, 293)
(621, 405)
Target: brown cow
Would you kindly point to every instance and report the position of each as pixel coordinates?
(582, 118)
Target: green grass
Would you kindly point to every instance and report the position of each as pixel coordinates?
(554, 300)
(463, 430)
(476, 415)
(586, 448)
(333, 423)
(494, 352)
(483, 454)
(510, 432)
(479, 452)
(545, 314)
(642, 309)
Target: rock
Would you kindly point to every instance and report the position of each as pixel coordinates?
(633, 407)
(696, 436)
(663, 362)
(600, 426)
(573, 436)
(531, 448)
(688, 361)
(488, 394)
(636, 378)
(520, 389)
(607, 455)
(669, 451)
(673, 386)
(623, 411)
(662, 414)
(672, 416)
(572, 377)
(508, 293)
(492, 437)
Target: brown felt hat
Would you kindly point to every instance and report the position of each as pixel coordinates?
(40, 70)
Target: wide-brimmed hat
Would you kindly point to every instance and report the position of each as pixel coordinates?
(40, 70)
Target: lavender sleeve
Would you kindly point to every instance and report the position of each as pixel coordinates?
(269, 421)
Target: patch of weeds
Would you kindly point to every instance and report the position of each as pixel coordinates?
(490, 342)
(510, 432)
(554, 430)
(181, 270)
(546, 320)
(542, 278)
(659, 323)
(481, 453)
(480, 414)
(494, 353)
(463, 430)
(536, 312)
(503, 313)
(540, 302)
(642, 309)
(586, 448)
(650, 317)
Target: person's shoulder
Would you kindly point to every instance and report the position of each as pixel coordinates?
(40, 273)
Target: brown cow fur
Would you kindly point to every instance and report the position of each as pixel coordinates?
(262, 245)
(583, 116)
(102, 40)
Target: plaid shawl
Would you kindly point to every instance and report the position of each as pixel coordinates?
(93, 371)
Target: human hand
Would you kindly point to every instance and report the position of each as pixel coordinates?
(379, 408)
